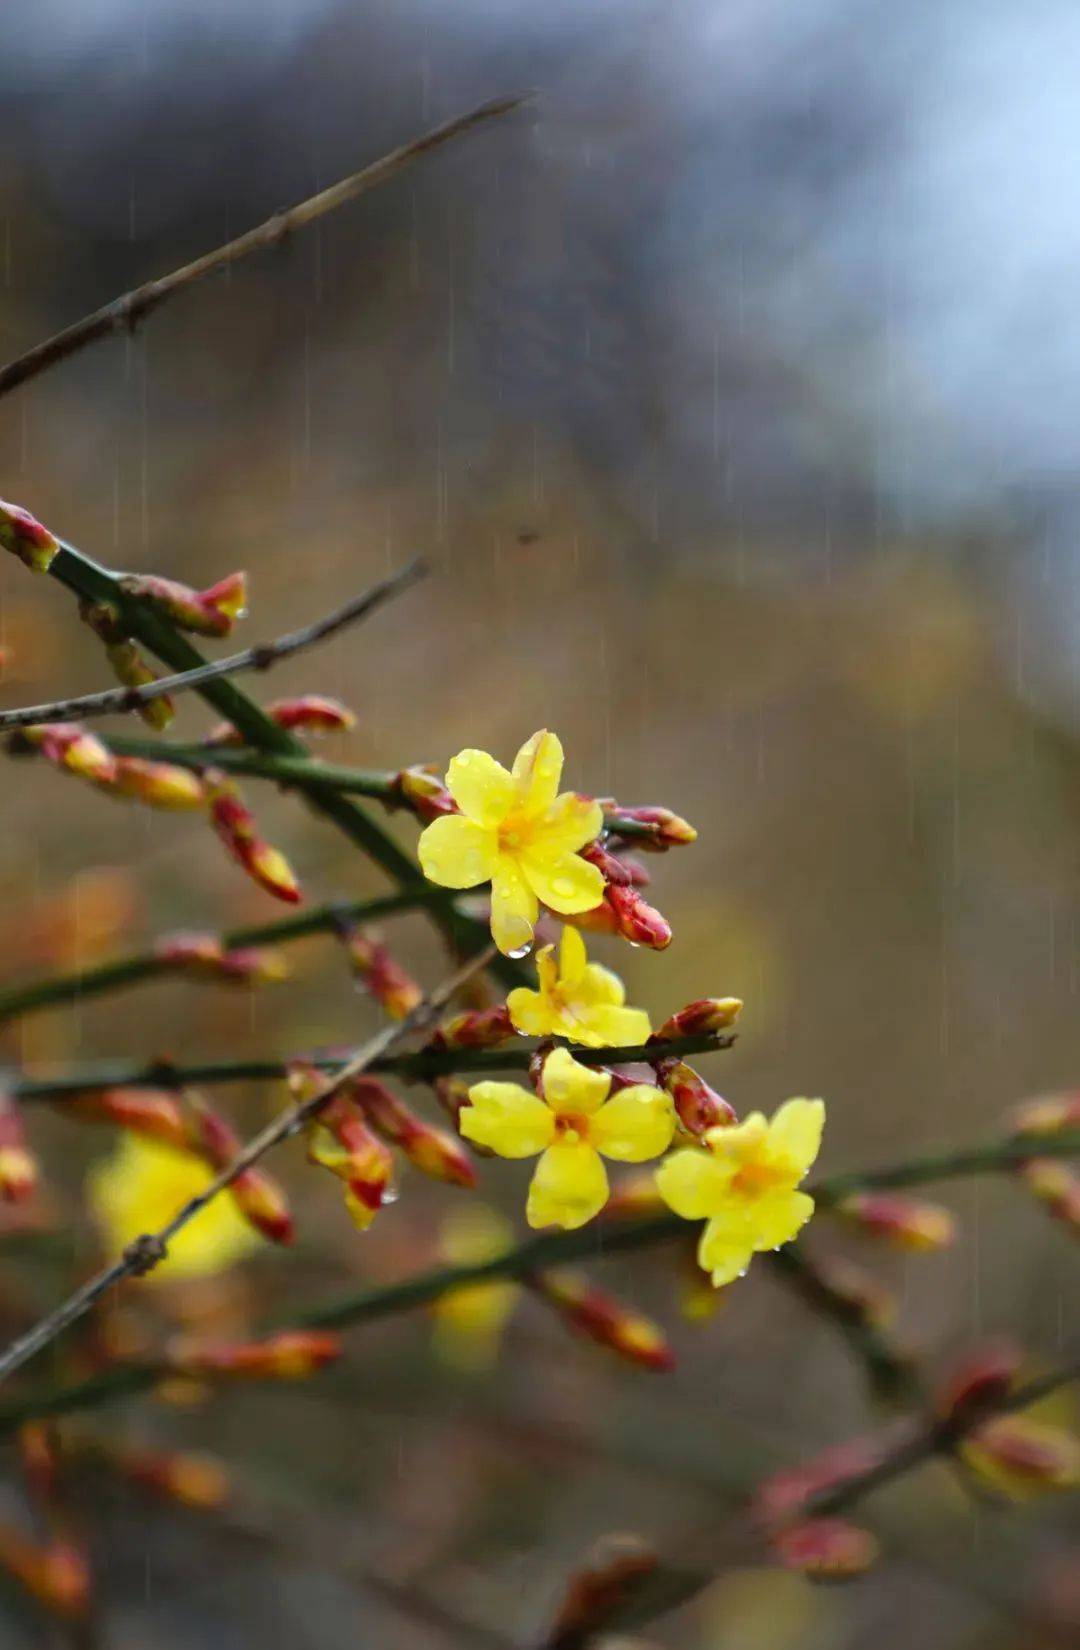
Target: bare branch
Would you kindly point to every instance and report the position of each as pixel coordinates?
(124, 313)
(150, 1248)
(261, 657)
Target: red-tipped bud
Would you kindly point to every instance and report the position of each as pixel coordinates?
(613, 870)
(781, 1498)
(698, 1106)
(1056, 1186)
(235, 825)
(18, 1168)
(292, 1355)
(128, 665)
(152, 1112)
(476, 1028)
(614, 1570)
(158, 784)
(856, 1294)
(210, 612)
(431, 1150)
(341, 1141)
(395, 990)
(703, 1018)
(979, 1380)
(204, 955)
(826, 1549)
(1022, 1457)
(657, 829)
(71, 747)
(25, 537)
(605, 1320)
(421, 791)
(197, 1481)
(310, 713)
(256, 1193)
(57, 1575)
(904, 1222)
(39, 1458)
(1047, 1114)
(635, 920)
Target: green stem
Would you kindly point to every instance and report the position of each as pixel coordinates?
(419, 1066)
(125, 971)
(94, 583)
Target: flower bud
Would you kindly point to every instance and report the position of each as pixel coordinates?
(1022, 1457)
(25, 537)
(431, 1150)
(72, 747)
(291, 1355)
(664, 829)
(605, 1320)
(698, 1106)
(210, 612)
(311, 713)
(703, 1018)
(18, 1168)
(783, 1496)
(196, 1481)
(636, 921)
(127, 663)
(904, 1222)
(235, 825)
(421, 791)
(392, 988)
(158, 784)
(56, 1574)
(39, 1458)
(979, 1380)
(152, 1112)
(476, 1028)
(860, 1297)
(1056, 1186)
(341, 1141)
(826, 1549)
(1047, 1114)
(614, 872)
(203, 954)
(256, 1194)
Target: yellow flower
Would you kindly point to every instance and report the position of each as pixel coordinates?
(469, 1321)
(577, 999)
(744, 1184)
(516, 832)
(571, 1125)
(142, 1185)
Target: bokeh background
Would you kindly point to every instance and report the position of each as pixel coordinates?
(732, 392)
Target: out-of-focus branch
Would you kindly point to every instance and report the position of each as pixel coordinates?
(123, 314)
(890, 1374)
(150, 1248)
(261, 657)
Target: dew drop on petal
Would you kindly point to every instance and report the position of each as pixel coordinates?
(390, 1195)
(520, 951)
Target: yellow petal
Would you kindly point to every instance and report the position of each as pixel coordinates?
(481, 787)
(573, 957)
(508, 1119)
(740, 1143)
(725, 1249)
(547, 969)
(599, 987)
(795, 1134)
(569, 1187)
(565, 882)
(570, 1087)
(693, 1184)
(604, 1027)
(634, 1125)
(469, 1324)
(778, 1217)
(457, 853)
(513, 907)
(538, 768)
(571, 822)
(530, 1012)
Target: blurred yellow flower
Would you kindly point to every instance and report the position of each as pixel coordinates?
(514, 830)
(469, 1321)
(577, 999)
(744, 1185)
(142, 1185)
(572, 1125)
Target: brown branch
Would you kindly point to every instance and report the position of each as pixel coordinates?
(124, 313)
(150, 1248)
(260, 657)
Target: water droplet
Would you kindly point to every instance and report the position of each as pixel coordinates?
(390, 1195)
(564, 887)
(521, 950)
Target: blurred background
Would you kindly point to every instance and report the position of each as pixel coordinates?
(732, 391)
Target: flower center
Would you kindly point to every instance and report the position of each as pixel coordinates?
(756, 1177)
(571, 1129)
(515, 832)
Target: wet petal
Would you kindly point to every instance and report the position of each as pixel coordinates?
(538, 768)
(725, 1250)
(606, 1027)
(778, 1217)
(693, 1184)
(571, 822)
(795, 1134)
(457, 853)
(573, 957)
(513, 907)
(571, 1087)
(565, 882)
(634, 1125)
(598, 986)
(547, 969)
(530, 1012)
(481, 787)
(508, 1119)
(569, 1187)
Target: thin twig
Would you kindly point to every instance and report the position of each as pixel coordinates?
(150, 1248)
(123, 314)
(261, 657)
